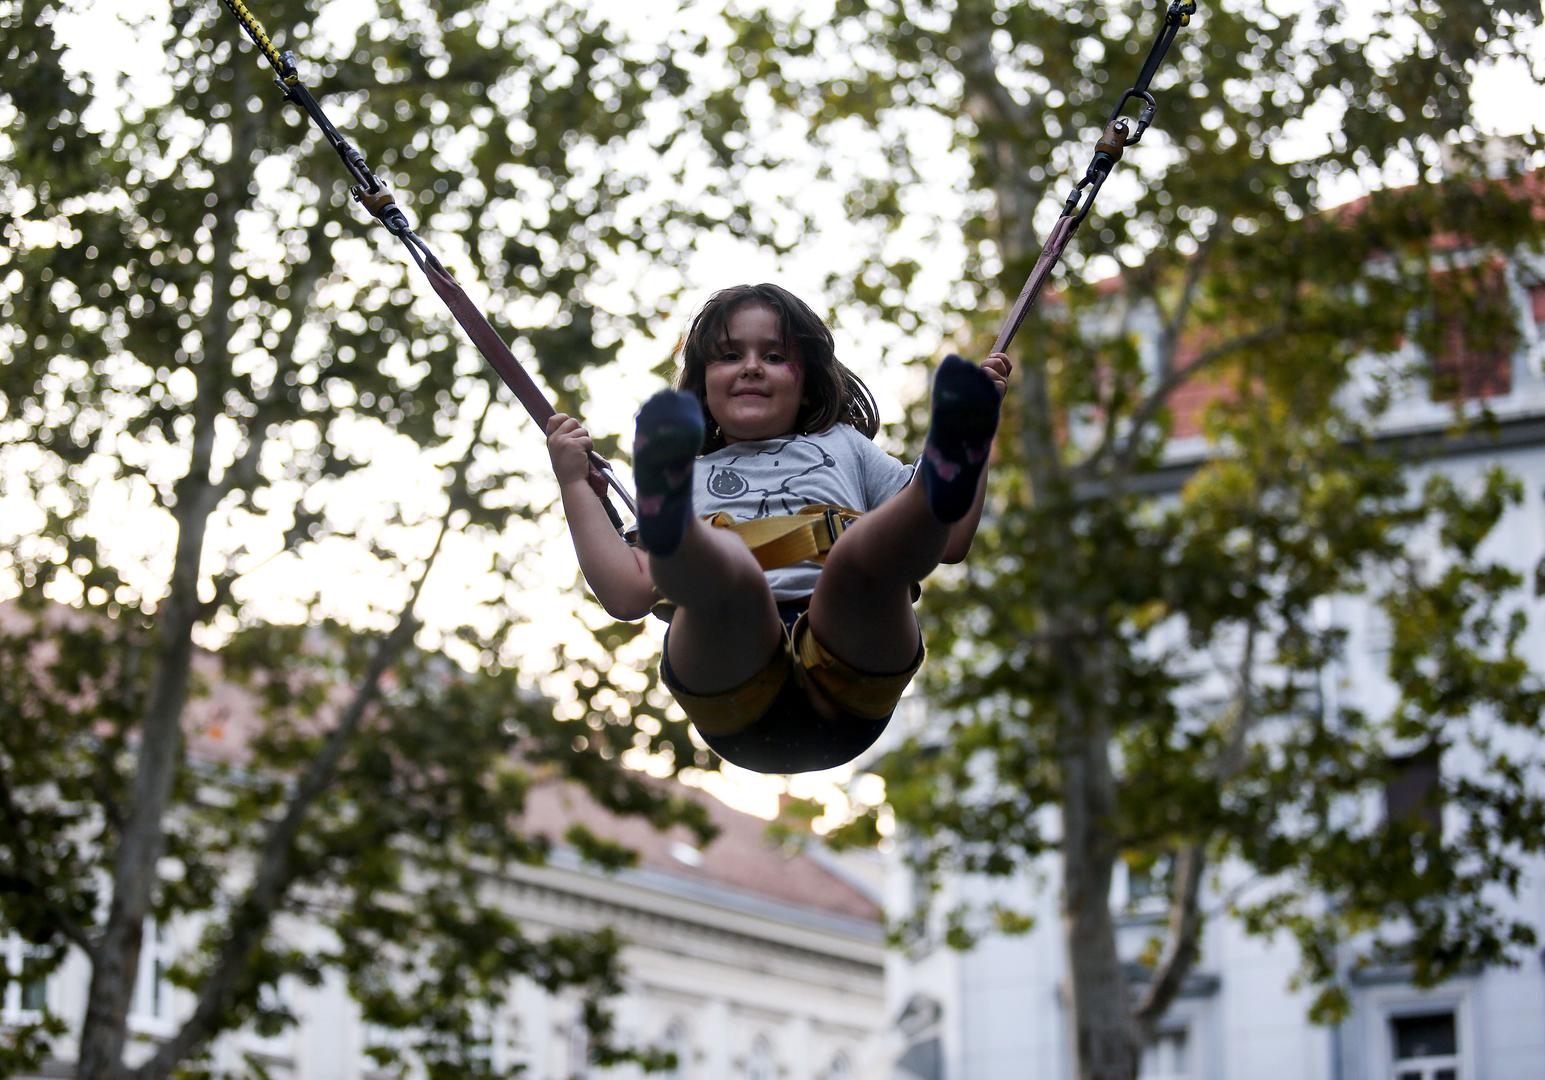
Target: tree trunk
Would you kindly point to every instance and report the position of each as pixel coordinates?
(1105, 1042)
(144, 836)
(160, 749)
(1105, 1035)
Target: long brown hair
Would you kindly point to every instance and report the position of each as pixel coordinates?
(832, 394)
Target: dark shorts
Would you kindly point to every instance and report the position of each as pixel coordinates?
(768, 725)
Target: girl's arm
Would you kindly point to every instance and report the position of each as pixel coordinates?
(617, 573)
(963, 531)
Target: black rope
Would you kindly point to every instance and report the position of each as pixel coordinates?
(1113, 141)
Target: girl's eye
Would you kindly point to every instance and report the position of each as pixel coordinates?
(774, 358)
(728, 358)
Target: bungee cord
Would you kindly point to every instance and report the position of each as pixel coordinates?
(371, 193)
(1113, 141)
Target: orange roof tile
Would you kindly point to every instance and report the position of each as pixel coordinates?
(740, 857)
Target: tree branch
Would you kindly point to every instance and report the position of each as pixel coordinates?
(143, 837)
(243, 473)
(1175, 321)
(1183, 939)
(1172, 380)
(1000, 119)
(979, 65)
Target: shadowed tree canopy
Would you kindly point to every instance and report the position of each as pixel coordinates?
(237, 456)
(1137, 647)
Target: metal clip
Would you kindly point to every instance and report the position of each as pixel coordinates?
(835, 523)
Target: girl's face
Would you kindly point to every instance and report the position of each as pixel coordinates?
(752, 382)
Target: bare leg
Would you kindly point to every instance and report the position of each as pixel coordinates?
(726, 625)
(862, 606)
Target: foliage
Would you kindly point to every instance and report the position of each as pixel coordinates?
(206, 364)
(1143, 637)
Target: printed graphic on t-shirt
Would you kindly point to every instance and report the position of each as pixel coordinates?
(785, 462)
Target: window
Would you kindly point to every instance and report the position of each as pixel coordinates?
(151, 1006)
(1413, 793)
(1168, 1056)
(1469, 336)
(839, 1069)
(1426, 1046)
(1148, 884)
(677, 1041)
(25, 994)
(760, 1065)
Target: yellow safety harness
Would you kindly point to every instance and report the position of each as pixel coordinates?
(790, 538)
(805, 536)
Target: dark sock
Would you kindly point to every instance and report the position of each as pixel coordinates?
(668, 435)
(965, 416)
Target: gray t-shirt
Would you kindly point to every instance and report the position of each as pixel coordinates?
(779, 476)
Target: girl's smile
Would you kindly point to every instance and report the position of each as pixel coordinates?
(754, 380)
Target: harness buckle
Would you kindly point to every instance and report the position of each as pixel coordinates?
(835, 523)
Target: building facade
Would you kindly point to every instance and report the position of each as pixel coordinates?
(998, 1012)
(747, 961)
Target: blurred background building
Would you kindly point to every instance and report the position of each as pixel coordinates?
(744, 959)
(997, 1012)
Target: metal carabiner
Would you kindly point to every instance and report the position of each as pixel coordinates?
(1112, 143)
(1144, 118)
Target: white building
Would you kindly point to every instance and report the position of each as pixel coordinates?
(997, 1012)
(748, 961)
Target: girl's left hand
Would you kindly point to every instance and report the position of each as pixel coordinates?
(998, 368)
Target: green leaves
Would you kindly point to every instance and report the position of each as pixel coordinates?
(1197, 505)
(225, 417)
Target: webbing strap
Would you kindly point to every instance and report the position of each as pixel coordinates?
(1117, 136)
(1056, 243)
(374, 196)
(488, 342)
(497, 353)
(793, 538)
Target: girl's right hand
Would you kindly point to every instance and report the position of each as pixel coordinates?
(569, 446)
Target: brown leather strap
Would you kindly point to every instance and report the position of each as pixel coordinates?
(497, 353)
(489, 343)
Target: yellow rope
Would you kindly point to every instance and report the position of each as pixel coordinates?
(260, 36)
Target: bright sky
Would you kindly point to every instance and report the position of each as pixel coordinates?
(1507, 96)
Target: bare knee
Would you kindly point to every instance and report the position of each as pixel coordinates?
(710, 651)
(850, 574)
(712, 572)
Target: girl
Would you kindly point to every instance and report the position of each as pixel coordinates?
(799, 668)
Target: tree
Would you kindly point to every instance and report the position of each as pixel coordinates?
(202, 351)
(1144, 662)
